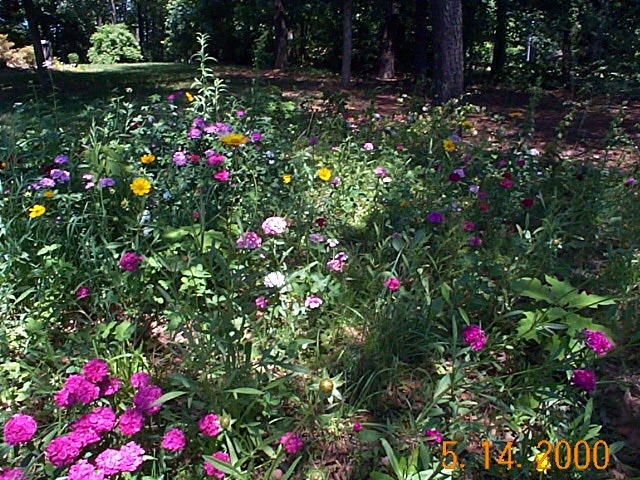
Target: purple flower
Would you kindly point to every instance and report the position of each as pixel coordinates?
(313, 141)
(468, 226)
(256, 136)
(222, 175)
(316, 238)
(261, 302)
(630, 182)
(109, 461)
(475, 241)
(85, 436)
(174, 440)
(433, 436)
(198, 122)
(109, 386)
(338, 262)
(131, 422)
(62, 451)
(474, 336)
(291, 442)
(179, 158)
(140, 379)
(46, 183)
(145, 397)
(392, 283)
(380, 172)
(312, 302)
(194, 133)
(584, 380)
(61, 159)
(19, 429)
(597, 341)
(107, 182)
(210, 425)
(474, 189)
(211, 470)
(76, 389)
(368, 147)
(95, 370)
(459, 172)
(130, 261)
(60, 176)
(249, 241)
(435, 217)
(335, 181)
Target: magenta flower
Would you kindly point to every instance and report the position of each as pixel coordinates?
(222, 176)
(62, 451)
(240, 113)
(474, 336)
(60, 176)
(435, 217)
(584, 380)
(249, 241)
(506, 183)
(291, 442)
(131, 422)
(76, 389)
(19, 429)
(338, 262)
(475, 241)
(145, 397)
(179, 159)
(83, 470)
(256, 136)
(597, 341)
(82, 292)
(274, 226)
(357, 427)
(109, 461)
(95, 370)
(174, 440)
(12, 474)
(214, 159)
(100, 420)
(140, 379)
(392, 283)
(211, 470)
(312, 302)
(261, 302)
(433, 436)
(130, 261)
(210, 425)
(109, 386)
(194, 133)
(84, 437)
(61, 159)
(468, 226)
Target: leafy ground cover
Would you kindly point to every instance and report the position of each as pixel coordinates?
(201, 283)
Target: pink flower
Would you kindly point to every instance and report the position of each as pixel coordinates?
(174, 440)
(256, 136)
(76, 389)
(338, 262)
(140, 379)
(368, 146)
(109, 461)
(222, 175)
(240, 113)
(131, 422)
(357, 427)
(380, 172)
(131, 457)
(62, 451)
(214, 159)
(392, 283)
(100, 419)
(12, 474)
(145, 397)
(109, 386)
(474, 336)
(179, 159)
(82, 292)
(597, 341)
(433, 436)
(19, 429)
(130, 261)
(475, 241)
(468, 226)
(211, 470)
(316, 238)
(584, 380)
(95, 370)
(291, 442)
(83, 470)
(506, 183)
(210, 425)
(274, 226)
(261, 302)
(85, 436)
(312, 302)
(249, 241)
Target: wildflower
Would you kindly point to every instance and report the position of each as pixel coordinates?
(85, 436)
(313, 141)
(107, 182)
(234, 139)
(435, 217)
(392, 284)
(584, 380)
(286, 179)
(316, 238)
(597, 341)
(249, 241)
(337, 181)
(83, 470)
(179, 158)
(400, 148)
(240, 113)
(194, 133)
(211, 470)
(145, 398)
(459, 172)
(130, 422)
(468, 226)
(274, 226)
(61, 159)
(214, 159)
(256, 136)
(274, 280)
(324, 174)
(380, 172)
(630, 182)
(261, 302)
(60, 176)
(320, 222)
(222, 176)
(190, 98)
(475, 241)
(148, 158)
(527, 202)
(140, 186)
(46, 183)
(338, 262)
(36, 211)
(357, 427)
(454, 177)
(209, 425)
(433, 436)
(109, 461)
(449, 145)
(333, 242)
(474, 189)
(174, 440)
(19, 429)
(291, 442)
(474, 336)
(312, 302)
(367, 147)
(542, 462)
(467, 125)
(62, 451)
(534, 152)
(506, 183)
(130, 261)
(95, 370)
(131, 456)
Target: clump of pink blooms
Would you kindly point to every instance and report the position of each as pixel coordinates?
(249, 241)
(312, 302)
(210, 425)
(211, 470)
(474, 336)
(338, 262)
(274, 226)
(174, 440)
(12, 474)
(291, 442)
(130, 261)
(433, 436)
(19, 429)
(584, 380)
(392, 283)
(597, 341)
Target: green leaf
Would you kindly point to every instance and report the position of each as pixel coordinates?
(168, 396)
(245, 391)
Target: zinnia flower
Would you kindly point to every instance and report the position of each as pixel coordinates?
(234, 139)
(449, 145)
(584, 380)
(140, 186)
(36, 211)
(148, 158)
(474, 336)
(392, 283)
(324, 174)
(19, 429)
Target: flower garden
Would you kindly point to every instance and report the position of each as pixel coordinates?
(208, 285)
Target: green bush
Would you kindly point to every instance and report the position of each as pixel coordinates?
(73, 58)
(114, 44)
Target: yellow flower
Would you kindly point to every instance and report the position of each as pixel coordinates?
(48, 194)
(324, 174)
(148, 158)
(189, 97)
(234, 139)
(542, 462)
(467, 125)
(36, 211)
(140, 186)
(449, 145)
(3, 165)
(286, 178)
(516, 115)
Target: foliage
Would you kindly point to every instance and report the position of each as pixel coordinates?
(73, 58)
(114, 44)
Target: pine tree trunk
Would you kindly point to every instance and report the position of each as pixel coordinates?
(387, 69)
(281, 35)
(448, 59)
(347, 43)
(34, 34)
(500, 41)
(420, 60)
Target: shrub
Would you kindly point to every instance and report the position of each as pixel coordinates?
(22, 57)
(114, 44)
(73, 58)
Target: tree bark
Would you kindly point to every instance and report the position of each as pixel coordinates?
(114, 12)
(34, 33)
(347, 42)
(387, 68)
(420, 19)
(448, 59)
(500, 41)
(567, 57)
(281, 35)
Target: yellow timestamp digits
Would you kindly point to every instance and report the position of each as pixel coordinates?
(562, 455)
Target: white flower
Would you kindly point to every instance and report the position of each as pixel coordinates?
(534, 152)
(274, 280)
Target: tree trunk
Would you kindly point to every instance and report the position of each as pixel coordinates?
(347, 42)
(387, 69)
(448, 61)
(500, 41)
(114, 12)
(567, 57)
(281, 35)
(34, 33)
(420, 60)
(598, 39)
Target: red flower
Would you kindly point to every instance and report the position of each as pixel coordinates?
(527, 202)
(321, 221)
